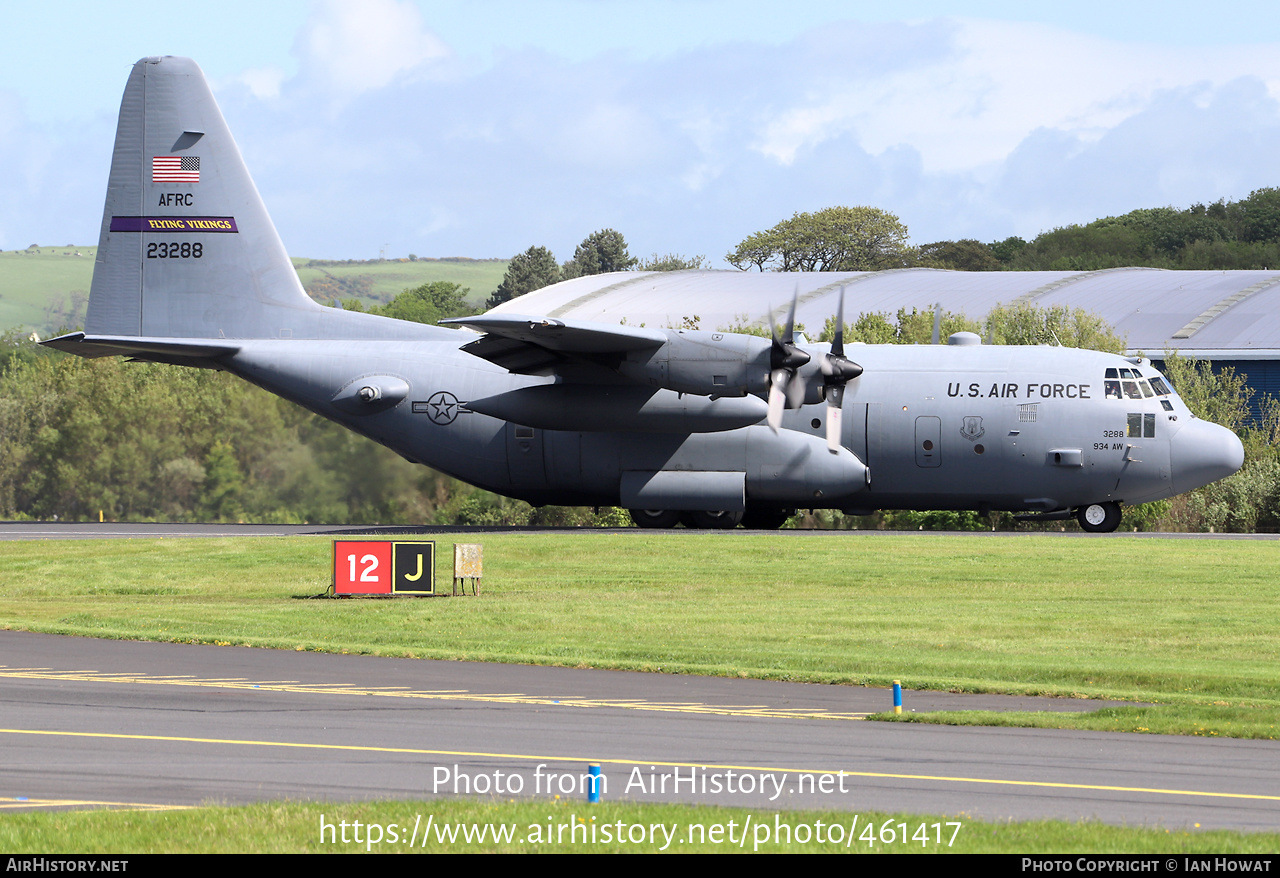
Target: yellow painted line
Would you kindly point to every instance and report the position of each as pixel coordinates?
(526, 757)
(240, 683)
(17, 804)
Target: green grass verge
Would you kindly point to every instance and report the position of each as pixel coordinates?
(544, 827)
(1208, 721)
(1187, 624)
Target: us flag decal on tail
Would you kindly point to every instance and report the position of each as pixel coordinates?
(175, 169)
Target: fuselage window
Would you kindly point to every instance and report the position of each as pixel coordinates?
(1113, 387)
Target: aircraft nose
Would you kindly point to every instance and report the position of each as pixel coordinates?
(1202, 452)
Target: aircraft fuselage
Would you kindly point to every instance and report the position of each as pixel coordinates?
(939, 427)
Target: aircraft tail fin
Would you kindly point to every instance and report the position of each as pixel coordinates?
(187, 249)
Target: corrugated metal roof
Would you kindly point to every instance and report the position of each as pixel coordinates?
(1153, 309)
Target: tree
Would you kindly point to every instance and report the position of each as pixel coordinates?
(834, 239)
(1057, 325)
(911, 327)
(428, 303)
(531, 270)
(963, 255)
(1260, 215)
(600, 252)
(1007, 250)
(675, 262)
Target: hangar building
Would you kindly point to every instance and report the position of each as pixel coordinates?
(1231, 318)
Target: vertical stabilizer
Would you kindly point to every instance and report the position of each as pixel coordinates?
(187, 249)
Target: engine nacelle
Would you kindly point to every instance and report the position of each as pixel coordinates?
(627, 408)
(703, 363)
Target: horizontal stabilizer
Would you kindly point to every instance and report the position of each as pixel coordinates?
(163, 350)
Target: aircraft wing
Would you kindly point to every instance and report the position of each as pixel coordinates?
(180, 351)
(532, 345)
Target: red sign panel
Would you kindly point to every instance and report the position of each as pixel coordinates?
(383, 567)
(362, 567)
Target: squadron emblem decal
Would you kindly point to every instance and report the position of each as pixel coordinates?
(972, 429)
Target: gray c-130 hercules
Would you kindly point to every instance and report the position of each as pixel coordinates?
(708, 428)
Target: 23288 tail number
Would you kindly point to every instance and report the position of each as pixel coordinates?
(174, 250)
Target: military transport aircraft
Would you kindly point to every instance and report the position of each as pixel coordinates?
(710, 429)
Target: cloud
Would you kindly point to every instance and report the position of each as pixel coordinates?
(358, 47)
(263, 82)
(1196, 143)
(963, 128)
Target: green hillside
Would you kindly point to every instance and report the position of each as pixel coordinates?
(377, 281)
(45, 288)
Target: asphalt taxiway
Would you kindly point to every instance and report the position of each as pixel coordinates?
(152, 724)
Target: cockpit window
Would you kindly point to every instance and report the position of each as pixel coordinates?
(1130, 384)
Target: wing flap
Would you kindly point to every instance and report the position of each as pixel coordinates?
(565, 336)
(541, 345)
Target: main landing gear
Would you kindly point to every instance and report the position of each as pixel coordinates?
(1099, 518)
(755, 519)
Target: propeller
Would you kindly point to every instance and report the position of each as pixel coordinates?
(837, 371)
(785, 360)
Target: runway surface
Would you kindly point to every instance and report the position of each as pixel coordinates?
(151, 724)
(57, 530)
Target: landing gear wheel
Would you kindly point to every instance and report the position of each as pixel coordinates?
(714, 520)
(1099, 518)
(766, 519)
(654, 517)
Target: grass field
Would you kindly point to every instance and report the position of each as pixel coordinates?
(544, 827)
(30, 282)
(384, 280)
(1188, 625)
(39, 288)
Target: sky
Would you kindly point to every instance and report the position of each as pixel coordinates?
(483, 128)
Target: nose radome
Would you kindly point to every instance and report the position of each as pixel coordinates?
(1202, 452)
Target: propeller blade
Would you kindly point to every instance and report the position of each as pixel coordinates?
(795, 391)
(790, 336)
(777, 398)
(835, 416)
(837, 344)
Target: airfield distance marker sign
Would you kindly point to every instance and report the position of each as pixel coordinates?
(384, 567)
